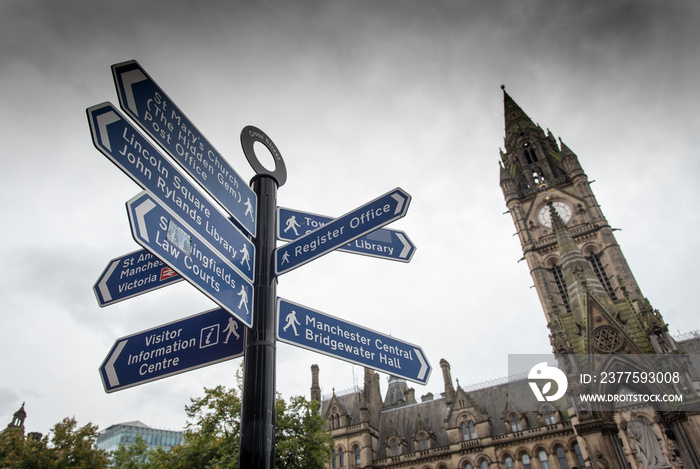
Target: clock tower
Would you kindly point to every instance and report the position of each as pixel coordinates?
(590, 298)
(594, 308)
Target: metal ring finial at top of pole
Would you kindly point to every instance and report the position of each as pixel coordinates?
(251, 134)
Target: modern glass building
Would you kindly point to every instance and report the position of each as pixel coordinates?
(126, 433)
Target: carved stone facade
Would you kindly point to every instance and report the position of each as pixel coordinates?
(594, 309)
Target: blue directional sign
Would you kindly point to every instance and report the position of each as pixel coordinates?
(194, 342)
(163, 233)
(144, 101)
(320, 332)
(341, 231)
(383, 243)
(131, 275)
(131, 152)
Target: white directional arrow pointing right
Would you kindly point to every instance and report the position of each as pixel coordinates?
(406, 245)
(400, 199)
(423, 364)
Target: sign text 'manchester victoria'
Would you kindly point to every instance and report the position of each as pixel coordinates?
(131, 275)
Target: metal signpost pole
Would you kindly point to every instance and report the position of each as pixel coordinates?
(257, 447)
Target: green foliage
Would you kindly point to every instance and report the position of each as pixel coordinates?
(68, 447)
(133, 456)
(301, 441)
(212, 435)
(75, 447)
(211, 440)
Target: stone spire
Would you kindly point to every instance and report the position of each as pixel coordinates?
(516, 121)
(315, 388)
(18, 418)
(447, 376)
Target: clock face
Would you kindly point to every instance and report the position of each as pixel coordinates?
(562, 208)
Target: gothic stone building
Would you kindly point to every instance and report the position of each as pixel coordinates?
(594, 309)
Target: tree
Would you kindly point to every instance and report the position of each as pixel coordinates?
(301, 441)
(68, 447)
(212, 435)
(75, 447)
(133, 456)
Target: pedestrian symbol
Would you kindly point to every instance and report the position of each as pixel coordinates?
(292, 225)
(292, 321)
(232, 328)
(246, 256)
(249, 209)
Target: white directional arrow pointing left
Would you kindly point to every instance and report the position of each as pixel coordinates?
(109, 366)
(103, 120)
(141, 211)
(106, 295)
(129, 78)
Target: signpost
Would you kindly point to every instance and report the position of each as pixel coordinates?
(320, 332)
(341, 231)
(153, 110)
(194, 342)
(130, 151)
(383, 243)
(131, 275)
(163, 233)
(178, 224)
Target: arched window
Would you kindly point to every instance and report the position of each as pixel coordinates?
(335, 418)
(357, 455)
(468, 430)
(484, 464)
(341, 457)
(526, 461)
(394, 447)
(543, 459)
(561, 456)
(515, 424)
(508, 461)
(601, 273)
(529, 152)
(468, 466)
(548, 415)
(558, 277)
(423, 441)
(334, 458)
(579, 456)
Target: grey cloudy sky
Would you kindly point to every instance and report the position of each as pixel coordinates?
(360, 97)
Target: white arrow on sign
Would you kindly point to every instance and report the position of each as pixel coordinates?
(129, 78)
(104, 290)
(109, 366)
(423, 364)
(103, 120)
(407, 246)
(141, 212)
